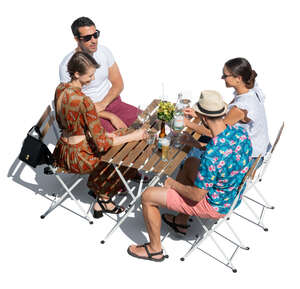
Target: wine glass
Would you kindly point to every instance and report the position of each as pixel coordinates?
(186, 101)
(142, 116)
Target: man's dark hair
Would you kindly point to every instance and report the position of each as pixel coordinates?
(80, 22)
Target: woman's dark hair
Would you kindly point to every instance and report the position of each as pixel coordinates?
(241, 67)
(80, 22)
(80, 62)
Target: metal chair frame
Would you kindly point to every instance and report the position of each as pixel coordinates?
(51, 170)
(210, 231)
(252, 184)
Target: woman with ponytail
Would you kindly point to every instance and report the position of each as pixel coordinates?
(246, 109)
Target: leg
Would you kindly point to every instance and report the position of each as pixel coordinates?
(152, 198)
(186, 176)
(126, 112)
(103, 190)
(188, 173)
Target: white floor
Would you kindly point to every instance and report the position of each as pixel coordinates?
(63, 250)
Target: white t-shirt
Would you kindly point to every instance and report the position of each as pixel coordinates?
(257, 128)
(98, 88)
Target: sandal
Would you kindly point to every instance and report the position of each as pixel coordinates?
(103, 204)
(150, 255)
(174, 225)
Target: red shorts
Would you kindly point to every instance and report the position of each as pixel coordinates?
(126, 112)
(202, 209)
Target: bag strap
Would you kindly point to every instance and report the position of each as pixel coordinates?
(37, 130)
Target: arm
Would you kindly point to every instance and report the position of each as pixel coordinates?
(92, 122)
(134, 136)
(189, 192)
(201, 129)
(235, 115)
(114, 119)
(116, 80)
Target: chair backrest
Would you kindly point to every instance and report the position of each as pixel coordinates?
(47, 114)
(243, 183)
(277, 138)
(268, 157)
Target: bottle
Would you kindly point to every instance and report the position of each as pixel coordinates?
(178, 124)
(179, 98)
(162, 134)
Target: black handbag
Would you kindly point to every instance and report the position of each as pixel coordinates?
(34, 152)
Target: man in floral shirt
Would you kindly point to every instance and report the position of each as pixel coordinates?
(206, 190)
(223, 167)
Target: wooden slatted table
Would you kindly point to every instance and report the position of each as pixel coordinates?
(139, 155)
(119, 161)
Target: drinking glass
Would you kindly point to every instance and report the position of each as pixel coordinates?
(151, 136)
(177, 127)
(165, 145)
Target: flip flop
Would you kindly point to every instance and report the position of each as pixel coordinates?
(174, 225)
(150, 255)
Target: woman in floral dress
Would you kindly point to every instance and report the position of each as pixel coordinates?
(83, 139)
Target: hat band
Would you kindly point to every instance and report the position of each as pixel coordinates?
(208, 111)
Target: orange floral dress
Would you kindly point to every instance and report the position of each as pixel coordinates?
(77, 116)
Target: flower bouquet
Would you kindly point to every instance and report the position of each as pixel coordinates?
(165, 111)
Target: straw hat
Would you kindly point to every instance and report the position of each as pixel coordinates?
(210, 104)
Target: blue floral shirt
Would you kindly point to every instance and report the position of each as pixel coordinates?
(223, 166)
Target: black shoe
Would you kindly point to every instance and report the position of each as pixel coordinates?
(97, 214)
(103, 204)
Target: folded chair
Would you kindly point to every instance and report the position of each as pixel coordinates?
(209, 232)
(253, 181)
(45, 123)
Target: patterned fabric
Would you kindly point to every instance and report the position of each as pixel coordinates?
(77, 116)
(223, 166)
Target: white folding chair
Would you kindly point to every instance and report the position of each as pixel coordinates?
(45, 123)
(208, 232)
(255, 179)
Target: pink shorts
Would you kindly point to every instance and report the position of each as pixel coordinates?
(202, 209)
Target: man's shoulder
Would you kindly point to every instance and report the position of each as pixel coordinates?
(102, 48)
(232, 136)
(238, 130)
(102, 51)
(66, 59)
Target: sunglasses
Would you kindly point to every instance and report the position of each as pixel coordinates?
(224, 76)
(87, 38)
